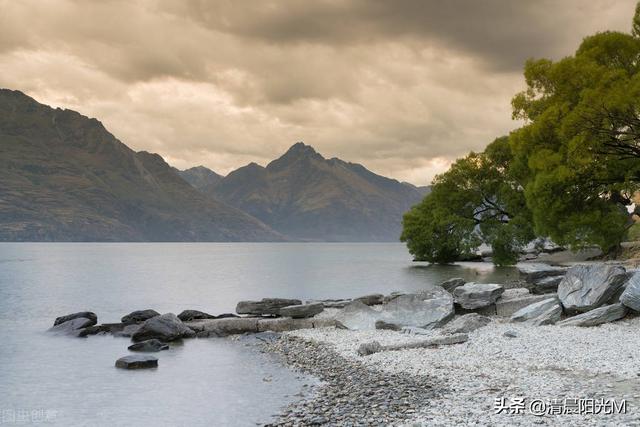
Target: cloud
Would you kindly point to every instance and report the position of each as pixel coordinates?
(403, 87)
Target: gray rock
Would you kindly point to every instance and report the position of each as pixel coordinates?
(358, 316)
(137, 362)
(381, 324)
(105, 328)
(451, 284)
(91, 316)
(597, 316)
(631, 295)
(373, 299)
(72, 327)
(586, 287)
(128, 330)
(477, 295)
(414, 330)
(331, 303)
(466, 323)
(265, 307)
(188, 315)
(510, 334)
(546, 285)
(392, 296)
(166, 327)
(226, 326)
(548, 309)
(510, 301)
(532, 272)
(549, 317)
(149, 346)
(284, 324)
(139, 316)
(369, 348)
(302, 311)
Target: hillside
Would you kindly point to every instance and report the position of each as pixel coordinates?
(307, 197)
(64, 177)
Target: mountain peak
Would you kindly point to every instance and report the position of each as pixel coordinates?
(297, 151)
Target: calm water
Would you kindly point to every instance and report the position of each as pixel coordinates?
(68, 381)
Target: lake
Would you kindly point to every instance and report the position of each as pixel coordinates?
(70, 381)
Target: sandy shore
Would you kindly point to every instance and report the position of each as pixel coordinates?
(547, 364)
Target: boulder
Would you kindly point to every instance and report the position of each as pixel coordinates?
(532, 272)
(513, 300)
(477, 295)
(597, 316)
(89, 315)
(302, 311)
(226, 326)
(72, 327)
(166, 327)
(149, 346)
(139, 316)
(265, 307)
(451, 284)
(466, 323)
(188, 315)
(381, 324)
(393, 295)
(105, 328)
(128, 330)
(631, 295)
(373, 299)
(137, 362)
(586, 287)
(358, 316)
(545, 312)
(546, 285)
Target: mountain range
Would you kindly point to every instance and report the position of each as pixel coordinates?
(64, 177)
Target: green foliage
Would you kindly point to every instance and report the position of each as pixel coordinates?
(633, 234)
(476, 201)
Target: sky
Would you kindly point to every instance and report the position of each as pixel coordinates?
(404, 87)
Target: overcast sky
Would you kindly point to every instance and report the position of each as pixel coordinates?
(403, 87)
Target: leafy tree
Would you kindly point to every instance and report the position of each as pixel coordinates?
(477, 201)
(578, 154)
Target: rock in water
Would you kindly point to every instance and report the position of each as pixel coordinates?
(166, 327)
(72, 327)
(302, 311)
(373, 299)
(532, 272)
(148, 346)
(466, 323)
(477, 295)
(631, 295)
(137, 362)
(597, 316)
(89, 315)
(139, 316)
(586, 287)
(451, 284)
(265, 307)
(188, 315)
(545, 312)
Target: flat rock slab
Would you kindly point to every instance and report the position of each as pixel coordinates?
(166, 327)
(466, 323)
(451, 284)
(226, 326)
(508, 306)
(545, 312)
(597, 316)
(546, 285)
(631, 295)
(302, 311)
(91, 316)
(373, 299)
(148, 346)
(139, 316)
(137, 362)
(586, 287)
(471, 296)
(265, 307)
(531, 272)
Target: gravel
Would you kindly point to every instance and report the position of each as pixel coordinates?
(459, 384)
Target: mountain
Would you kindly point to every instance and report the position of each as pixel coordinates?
(200, 177)
(307, 197)
(64, 177)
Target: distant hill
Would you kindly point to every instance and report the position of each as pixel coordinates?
(64, 177)
(307, 197)
(200, 177)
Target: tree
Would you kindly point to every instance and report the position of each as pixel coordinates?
(578, 154)
(476, 201)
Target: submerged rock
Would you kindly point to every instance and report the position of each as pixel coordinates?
(166, 327)
(89, 315)
(451, 284)
(139, 316)
(302, 311)
(466, 323)
(477, 295)
(597, 316)
(631, 295)
(545, 312)
(149, 346)
(586, 287)
(265, 307)
(137, 362)
(73, 327)
(105, 328)
(188, 315)
(128, 330)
